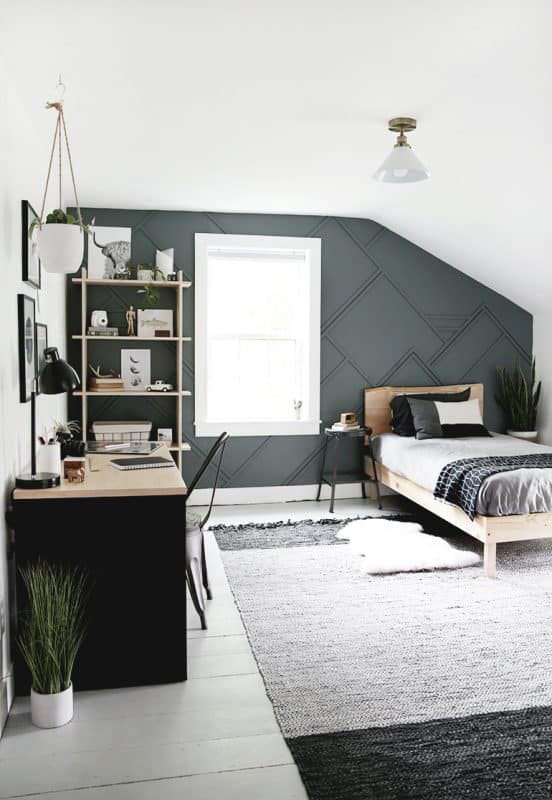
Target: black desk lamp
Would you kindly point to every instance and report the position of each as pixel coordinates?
(55, 377)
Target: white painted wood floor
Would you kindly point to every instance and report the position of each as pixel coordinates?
(214, 736)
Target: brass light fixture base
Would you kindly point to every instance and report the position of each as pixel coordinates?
(402, 124)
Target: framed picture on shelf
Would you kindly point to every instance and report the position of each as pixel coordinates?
(155, 322)
(41, 345)
(27, 345)
(108, 252)
(29, 246)
(136, 369)
(165, 435)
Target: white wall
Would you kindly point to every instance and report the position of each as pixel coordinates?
(23, 161)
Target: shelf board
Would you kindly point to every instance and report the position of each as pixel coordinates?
(89, 393)
(114, 282)
(184, 446)
(132, 338)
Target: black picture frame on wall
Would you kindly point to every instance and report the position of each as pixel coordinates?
(31, 269)
(27, 346)
(41, 344)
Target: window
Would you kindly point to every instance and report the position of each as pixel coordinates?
(257, 335)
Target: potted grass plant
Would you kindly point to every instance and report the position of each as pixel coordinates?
(519, 397)
(51, 633)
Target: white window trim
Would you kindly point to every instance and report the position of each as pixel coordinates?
(303, 427)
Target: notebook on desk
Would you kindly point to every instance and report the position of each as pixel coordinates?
(141, 463)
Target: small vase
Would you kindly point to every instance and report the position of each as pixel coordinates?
(52, 710)
(60, 247)
(145, 274)
(527, 436)
(49, 458)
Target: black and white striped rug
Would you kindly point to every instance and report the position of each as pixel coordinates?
(431, 685)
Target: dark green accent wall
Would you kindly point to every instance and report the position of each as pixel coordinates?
(391, 314)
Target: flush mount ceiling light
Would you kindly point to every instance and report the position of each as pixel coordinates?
(401, 165)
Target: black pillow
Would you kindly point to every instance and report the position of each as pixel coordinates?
(402, 422)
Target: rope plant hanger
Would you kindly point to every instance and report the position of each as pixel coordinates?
(61, 235)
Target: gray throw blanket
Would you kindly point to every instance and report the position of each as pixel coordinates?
(460, 481)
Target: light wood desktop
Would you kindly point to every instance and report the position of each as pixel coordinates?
(104, 480)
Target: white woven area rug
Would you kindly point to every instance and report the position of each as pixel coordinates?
(388, 546)
(426, 685)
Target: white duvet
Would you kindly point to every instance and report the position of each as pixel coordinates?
(522, 491)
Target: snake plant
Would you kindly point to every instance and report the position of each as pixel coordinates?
(519, 397)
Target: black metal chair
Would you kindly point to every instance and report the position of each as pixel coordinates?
(196, 563)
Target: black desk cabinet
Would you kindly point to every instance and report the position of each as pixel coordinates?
(133, 549)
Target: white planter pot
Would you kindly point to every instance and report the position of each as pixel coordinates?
(528, 436)
(144, 274)
(60, 247)
(52, 710)
(49, 458)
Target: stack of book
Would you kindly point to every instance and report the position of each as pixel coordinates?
(347, 422)
(96, 331)
(107, 384)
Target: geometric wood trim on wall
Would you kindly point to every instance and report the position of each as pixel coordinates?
(392, 313)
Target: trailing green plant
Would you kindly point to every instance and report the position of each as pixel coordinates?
(519, 397)
(151, 294)
(53, 626)
(150, 290)
(57, 217)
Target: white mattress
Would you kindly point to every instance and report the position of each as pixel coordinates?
(522, 491)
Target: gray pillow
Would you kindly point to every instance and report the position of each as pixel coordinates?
(426, 419)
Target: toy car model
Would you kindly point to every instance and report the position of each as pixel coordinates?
(159, 386)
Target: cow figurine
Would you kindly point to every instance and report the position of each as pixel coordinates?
(75, 475)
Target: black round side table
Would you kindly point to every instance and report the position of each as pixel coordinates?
(333, 477)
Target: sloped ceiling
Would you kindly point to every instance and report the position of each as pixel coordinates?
(281, 106)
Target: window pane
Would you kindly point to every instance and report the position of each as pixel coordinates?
(252, 379)
(253, 295)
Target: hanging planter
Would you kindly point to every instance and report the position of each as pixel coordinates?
(60, 235)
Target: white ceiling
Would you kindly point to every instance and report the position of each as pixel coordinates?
(281, 106)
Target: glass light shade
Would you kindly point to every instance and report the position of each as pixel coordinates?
(401, 166)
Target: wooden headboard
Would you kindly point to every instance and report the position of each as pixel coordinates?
(377, 411)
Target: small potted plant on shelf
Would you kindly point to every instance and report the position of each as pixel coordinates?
(519, 399)
(60, 242)
(150, 290)
(51, 633)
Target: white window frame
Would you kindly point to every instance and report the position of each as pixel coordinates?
(303, 427)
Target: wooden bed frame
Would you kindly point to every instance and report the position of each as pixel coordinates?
(489, 530)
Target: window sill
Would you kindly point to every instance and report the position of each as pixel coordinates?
(301, 427)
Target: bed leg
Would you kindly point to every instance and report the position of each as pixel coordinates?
(489, 559)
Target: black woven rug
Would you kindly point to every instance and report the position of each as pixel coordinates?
(432, 686)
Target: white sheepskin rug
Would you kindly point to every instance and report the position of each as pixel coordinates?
(390, 546)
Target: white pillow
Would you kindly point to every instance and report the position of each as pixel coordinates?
(465, 413)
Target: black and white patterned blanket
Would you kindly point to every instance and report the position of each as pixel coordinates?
(460, 481)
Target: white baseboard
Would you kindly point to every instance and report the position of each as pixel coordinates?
(6, 699)
(277, 494)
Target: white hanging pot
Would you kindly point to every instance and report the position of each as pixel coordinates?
(60, 247)
(52, 710)
(528, 436)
